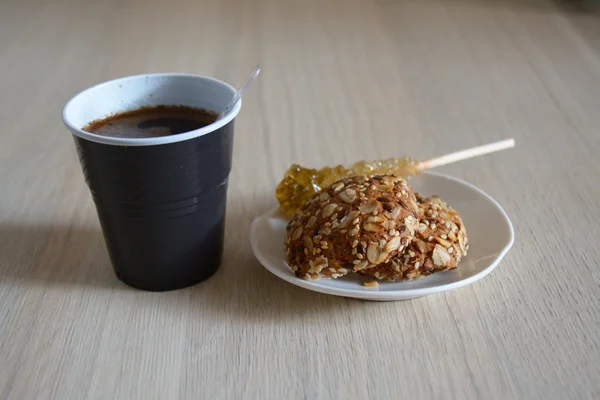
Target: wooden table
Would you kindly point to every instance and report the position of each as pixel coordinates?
(342, 81)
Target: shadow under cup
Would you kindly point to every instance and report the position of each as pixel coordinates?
(161, 201)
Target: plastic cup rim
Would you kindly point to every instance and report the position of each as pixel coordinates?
(117, 141)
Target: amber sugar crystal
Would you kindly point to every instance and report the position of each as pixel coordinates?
(300, 183)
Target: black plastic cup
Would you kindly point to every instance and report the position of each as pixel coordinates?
(161, 201)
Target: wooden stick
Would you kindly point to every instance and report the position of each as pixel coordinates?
(467, 153)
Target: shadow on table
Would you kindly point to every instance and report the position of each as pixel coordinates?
(55, 254)
(241, 288)
(584, 18)
(533, 6)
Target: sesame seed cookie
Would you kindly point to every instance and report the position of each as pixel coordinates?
(440, 243)
(353, 224)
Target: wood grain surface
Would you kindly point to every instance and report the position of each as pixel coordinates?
(342, 80)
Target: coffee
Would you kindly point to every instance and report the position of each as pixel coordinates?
(149, 122)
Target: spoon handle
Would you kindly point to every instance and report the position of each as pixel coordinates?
(238, 95)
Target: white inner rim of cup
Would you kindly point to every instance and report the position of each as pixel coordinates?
(134, 92)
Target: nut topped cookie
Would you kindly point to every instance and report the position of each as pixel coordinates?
(440, 243)
(353, 224)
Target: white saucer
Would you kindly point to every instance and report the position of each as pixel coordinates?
(490, 237)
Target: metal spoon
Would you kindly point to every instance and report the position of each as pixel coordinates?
(238, 95)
